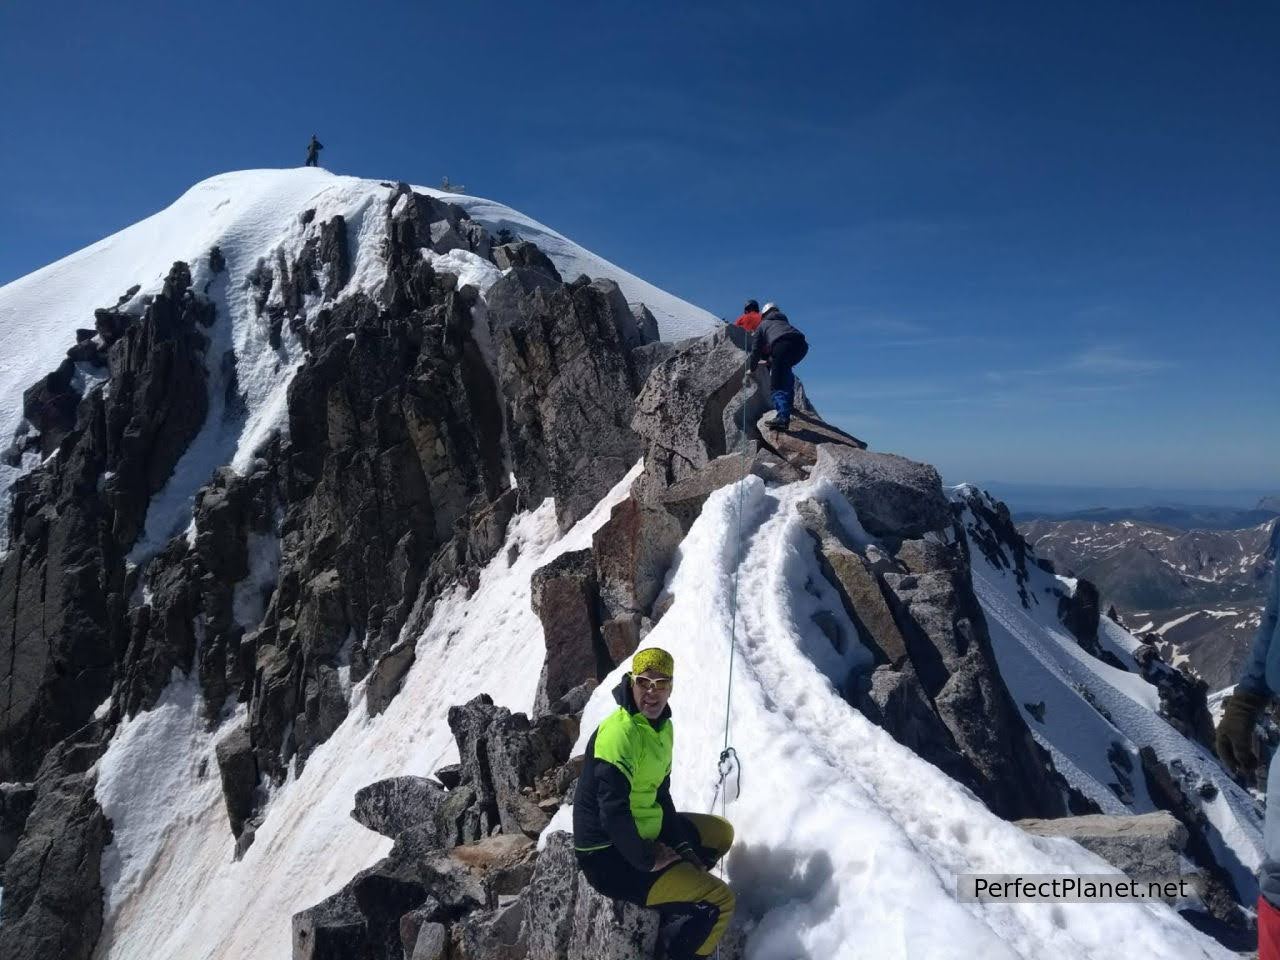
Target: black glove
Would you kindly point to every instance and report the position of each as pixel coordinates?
(690, 855)
(1234, 737)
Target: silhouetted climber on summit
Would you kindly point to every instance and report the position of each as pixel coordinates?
(313, 152)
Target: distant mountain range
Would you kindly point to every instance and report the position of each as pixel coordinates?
(1189, 577)
(1044, 499)
(1176, 517)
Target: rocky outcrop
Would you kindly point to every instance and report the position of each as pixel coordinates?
(52, 905)
(62, 583)
(936, 686)
(503, 754)
(454, 883)
(633, 551)
(896, 498)
(16, 801)
(947, 641)
(682, 411)
(806, 435)
(569, 385)
(565, 919)
(1171, 786)
(565, 596)
(393, 806)
(1147, 846)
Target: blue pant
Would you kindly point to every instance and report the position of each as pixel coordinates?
(785, 353)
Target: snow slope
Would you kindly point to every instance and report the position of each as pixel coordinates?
(249, 215)
(1097, 716)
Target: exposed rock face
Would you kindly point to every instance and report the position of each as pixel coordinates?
(503, 753)
(936, 687)
(1184, 700)
(239, 772)
(1147, 847)
(633, 551)
(895, 497)
(52, 906)
(799, 445)
(566, 918)
(680, 413)
(16, 801)
(1171, 786)
(564, 362)
(393, 806)
(856, 582)
(565, 598)
(947, 640)
(62, 582)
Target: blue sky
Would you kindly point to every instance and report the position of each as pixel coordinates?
(1030, 242)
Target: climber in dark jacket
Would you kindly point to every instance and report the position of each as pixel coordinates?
(313, 152)
(783, 346)
(631, 843)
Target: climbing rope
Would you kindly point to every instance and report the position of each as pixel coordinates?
(729, 762)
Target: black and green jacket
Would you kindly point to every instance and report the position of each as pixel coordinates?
(623, 798)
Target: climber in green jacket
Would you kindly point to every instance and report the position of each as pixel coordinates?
(631, 843)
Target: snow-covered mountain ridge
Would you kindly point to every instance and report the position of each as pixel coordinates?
(332, 538)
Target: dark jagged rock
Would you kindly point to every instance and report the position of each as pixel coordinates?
(1171, 786)
(50, 405)
(569, 387)
(393, 806)
(74, 519)
(681, 411)
(333, 929)
(52, 906)
(238, 771)
(503, 754)
(646, 323)
(162, 632)
(450, 776)
(158, 399)
(16, 801)
(387, 676)
(491, 934)
(950, 650)
(524, 254)
(893, 698)
(565, 919)
(395, 438)
(1184, 700)
(633, 551)
(564, 595)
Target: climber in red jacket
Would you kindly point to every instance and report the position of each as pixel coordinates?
(750, 318)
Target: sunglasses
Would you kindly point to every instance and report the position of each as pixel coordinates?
(646, 684)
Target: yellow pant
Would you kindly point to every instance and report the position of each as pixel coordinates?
(684, 883)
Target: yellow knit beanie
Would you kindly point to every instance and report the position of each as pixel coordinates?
(653, 658)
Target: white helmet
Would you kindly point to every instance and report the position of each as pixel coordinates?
(768, 307)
